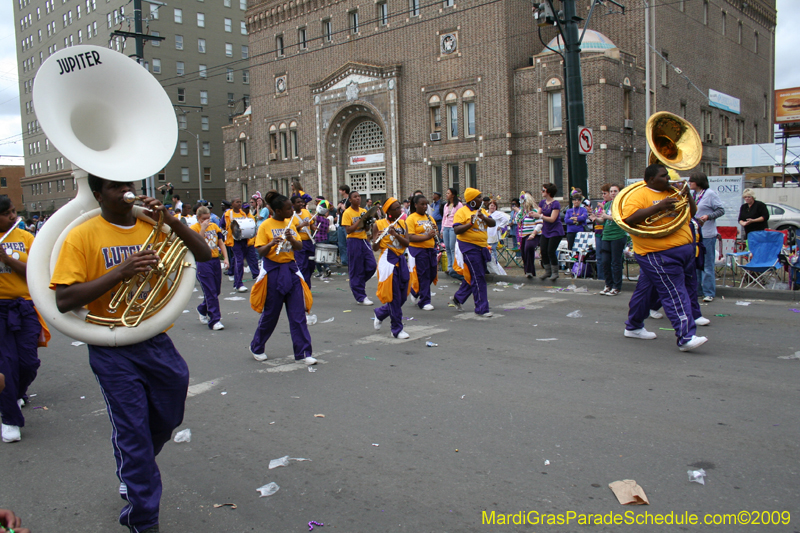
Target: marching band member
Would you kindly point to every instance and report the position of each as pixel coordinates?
(306, 226)
(666, 263)
(280, 282)
(360, 259)
(393, 274)
(323, 224)
(21, 328)
(470, 223)
(241, 247)
(209, 273)
(144, 384)
(422, 263)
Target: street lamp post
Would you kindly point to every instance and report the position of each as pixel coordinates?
(199, 168)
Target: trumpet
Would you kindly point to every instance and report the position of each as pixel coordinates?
(385, 232)
(434, 227)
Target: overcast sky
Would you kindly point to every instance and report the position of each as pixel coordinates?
(787, 74)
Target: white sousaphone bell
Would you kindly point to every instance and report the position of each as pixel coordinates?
(111, 118)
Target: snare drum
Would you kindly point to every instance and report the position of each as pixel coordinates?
(326, 253)
(247, 226)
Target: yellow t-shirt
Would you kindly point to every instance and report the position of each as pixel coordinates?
(645, 197)
(229, 216)
(420, 225)
(211, 236)
(350, 217)
(12, 285)
(271, 228)
(93, 249)
(389, 241)
(305, 233)
(477, 234)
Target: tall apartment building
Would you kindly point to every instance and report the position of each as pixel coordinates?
(394, 95)
(199, 64)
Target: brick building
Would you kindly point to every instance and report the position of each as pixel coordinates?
(395, 95)
(194, 63)
(10, 176)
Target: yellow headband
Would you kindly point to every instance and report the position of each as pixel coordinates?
(470, 194)
(388, 203)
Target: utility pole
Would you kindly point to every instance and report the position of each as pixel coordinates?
(567, 23)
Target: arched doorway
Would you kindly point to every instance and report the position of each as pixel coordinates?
(365, 169)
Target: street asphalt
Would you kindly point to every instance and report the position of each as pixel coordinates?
(526, 411)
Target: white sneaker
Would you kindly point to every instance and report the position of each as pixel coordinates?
(242, 289)
(692, 344)
(605, 291)
(458, 305)
(413, 299)
(702, 321)
(308, 360)
(402, 335)
(708, 299)
(230, 278)
(258, 356)
(218, 326)
(639, 334)
(10, 433)
(202, 318)
(427, 307)
(487, 314)
(246, 270)
(365, 301)
(656, 314)
(376, 323)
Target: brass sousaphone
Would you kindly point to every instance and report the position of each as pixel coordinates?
(675, 144)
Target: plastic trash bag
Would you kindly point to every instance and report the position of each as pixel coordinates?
(311, 319)
(268, 490)
(697, 476)
(183, 436)
(575, 314)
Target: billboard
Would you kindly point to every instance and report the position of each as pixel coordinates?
(787, 105)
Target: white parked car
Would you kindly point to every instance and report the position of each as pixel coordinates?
(784, 217)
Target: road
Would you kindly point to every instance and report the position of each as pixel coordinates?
(420, 439)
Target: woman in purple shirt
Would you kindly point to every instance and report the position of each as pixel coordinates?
(552, 231)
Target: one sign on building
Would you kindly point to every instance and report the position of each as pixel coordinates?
(366, 159)
(724, 101)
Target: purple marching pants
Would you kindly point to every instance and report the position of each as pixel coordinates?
(475, 257)
(361, 265)
(670, 273)
(241, 252)
(19, 362)
(144, 386)
(426, 272)
(394, 309)
(209, 274)
(305, 260)
(655, 299)
(528, 247)
(283, 287)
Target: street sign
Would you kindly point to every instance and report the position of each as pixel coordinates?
(585, 140)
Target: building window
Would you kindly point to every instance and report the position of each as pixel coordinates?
(185, 174)
(469, 119)
(162, 176)
(724, 22)
(626, 104)
(436, 115)
(449, 3)
(206, 173)
(327, 30)
(204, 123)
(243, 153)
(242, 27)
(179, 42)
(246, 77)
(302, 38)
(436, 176)
(705, 12)
(226, 3)
(228, 49)
(452, 116)
(557, 174)
(755, 43)
(665, 69)
(229, 75)
(554, 110)
(181, 95)
(228, 25)
(202, 71)
(683, 110)
(243, 5)
(682, 5)
(201, 20)
(383, 13)
(178, 15)
(154, 11)
(293, 139)
(156, 66)
(413, 7)
(453, 177)
(353, 18)
(626, 164)
(206, 148)
(472, 175)
(245, 51)
(284, 145)
(203, 97)
(739, 28)
(179, 68)
(201, 46)
(184, 148)
(279, 45)
(273, 143)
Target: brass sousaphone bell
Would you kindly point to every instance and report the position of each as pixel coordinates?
(674, 143)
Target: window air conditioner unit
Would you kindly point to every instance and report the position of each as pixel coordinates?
(273, 156)
(628, 123)
(709, 137)
(436, 136)
(728, 141)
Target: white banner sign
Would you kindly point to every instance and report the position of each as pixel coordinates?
(723, 101)
(752, 155)
(366, 159)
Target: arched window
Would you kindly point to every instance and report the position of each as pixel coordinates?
(469, 112)
(451, 102)
(435, 106)
(367, 137)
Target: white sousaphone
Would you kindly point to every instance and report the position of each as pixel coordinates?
(111, 118)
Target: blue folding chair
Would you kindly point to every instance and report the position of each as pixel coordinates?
(764, 249)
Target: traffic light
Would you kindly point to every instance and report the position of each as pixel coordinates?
(543, 14)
